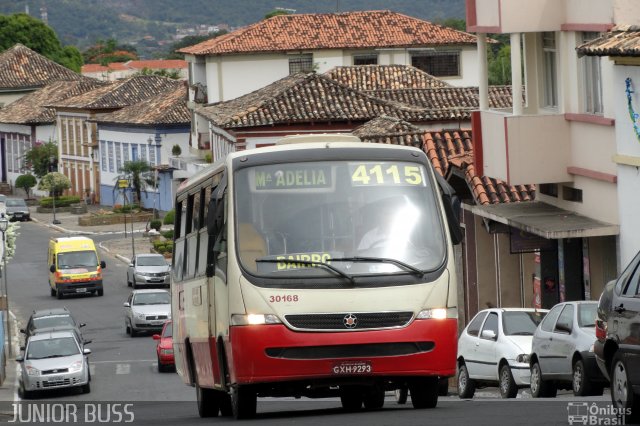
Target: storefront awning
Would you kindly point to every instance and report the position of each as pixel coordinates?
(544, 220)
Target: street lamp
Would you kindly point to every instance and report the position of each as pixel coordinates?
(4, 225)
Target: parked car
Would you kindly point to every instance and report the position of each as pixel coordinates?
(164, 348)
(494, 350)
(58, 319)
(618, 339)
(146, 310)
(562, 352)
(148, 269)
(53, 360)
(17, 209)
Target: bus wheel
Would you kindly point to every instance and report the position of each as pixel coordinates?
(226, 409)
(424, 392)
(243, 402)
(208, 404)
(402, 394)
(351, 397)
(374, 398)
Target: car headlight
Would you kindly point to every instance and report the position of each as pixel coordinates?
(166, 351)
(140, 275)
(437, 313)
(254, 319)
(141, 316)
(75, 367)
(523, 358)
(32, 371)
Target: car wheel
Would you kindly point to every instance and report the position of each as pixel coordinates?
(161, 367)
(53, 292)
(101, 292)
(622, 396)
(208, 404)
(351, 397)
(424, 392)
(128, 282)
(466, 386)
(127, 329)
(541, 388)
(243, 402)
(401, 395)
(25, 394)
(508, 388)
(580, 381)
(133, 333)
(86, 388)
(59, 294)
(134, 285)
(374, 398)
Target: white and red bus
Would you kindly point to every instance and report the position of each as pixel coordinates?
(322, 266)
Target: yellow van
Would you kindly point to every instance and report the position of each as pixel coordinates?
(74, 267)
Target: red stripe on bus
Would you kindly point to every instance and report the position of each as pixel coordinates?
(249, 363)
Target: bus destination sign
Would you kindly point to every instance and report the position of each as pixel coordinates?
(294, 176)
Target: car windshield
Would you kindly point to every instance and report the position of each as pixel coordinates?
(587, 314)
(53, 321)
(15, 203)
(168, 331)
(52, 348)
(77, 259)
(521, 323)
(159, 298)
(323, 219)
(151, 261)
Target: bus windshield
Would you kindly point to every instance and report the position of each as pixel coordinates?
(336, 218)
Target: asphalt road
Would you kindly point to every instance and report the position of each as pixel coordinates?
(124, 371)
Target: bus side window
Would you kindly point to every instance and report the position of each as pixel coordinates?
(203, 239)
(178, 245)
(193, 213)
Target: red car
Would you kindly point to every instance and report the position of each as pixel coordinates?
(164, 348)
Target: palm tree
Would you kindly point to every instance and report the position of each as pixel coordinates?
(138, 172)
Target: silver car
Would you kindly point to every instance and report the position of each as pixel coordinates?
(148, 269)
(53, 360)
(562, 352)
(146, 310)
(17, 209)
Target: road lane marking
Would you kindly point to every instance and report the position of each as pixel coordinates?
(123, 368)
(123, 361)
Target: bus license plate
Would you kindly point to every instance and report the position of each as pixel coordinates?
(352, 367)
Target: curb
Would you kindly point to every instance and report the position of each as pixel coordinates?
(78, 232)
(120, 257)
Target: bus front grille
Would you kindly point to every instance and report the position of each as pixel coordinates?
(349, 321)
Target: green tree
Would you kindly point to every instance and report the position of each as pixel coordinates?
(37, 36)
(41, 158)
(26, 182)
(107, 51)
(55, 183)
(174, 74)
(499, 66)
(455, 23)
(190, 41)
(138, 172)
(277, 12)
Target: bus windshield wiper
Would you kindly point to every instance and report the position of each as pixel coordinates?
(406, 266)
(311, 263)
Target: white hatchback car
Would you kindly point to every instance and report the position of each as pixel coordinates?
(494, 350)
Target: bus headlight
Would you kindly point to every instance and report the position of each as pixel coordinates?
(254, 319)
(438, 313)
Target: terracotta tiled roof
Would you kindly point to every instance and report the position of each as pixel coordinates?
(21, 67)
(446, 149)
(349, 30)
(157, 64)
(121, 94)
(114, 66)
(31, 109)
(384, 77)
(464, 98)
(313, 98)
(621, 41)
(167, 108)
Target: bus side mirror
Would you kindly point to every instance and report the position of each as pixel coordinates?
(52, 268)
(452, 209)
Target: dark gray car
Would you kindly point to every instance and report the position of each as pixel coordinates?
(57, 319)
(562, 352)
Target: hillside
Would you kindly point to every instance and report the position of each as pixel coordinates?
(151, 24)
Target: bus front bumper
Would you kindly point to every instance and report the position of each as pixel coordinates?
(268, 353)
